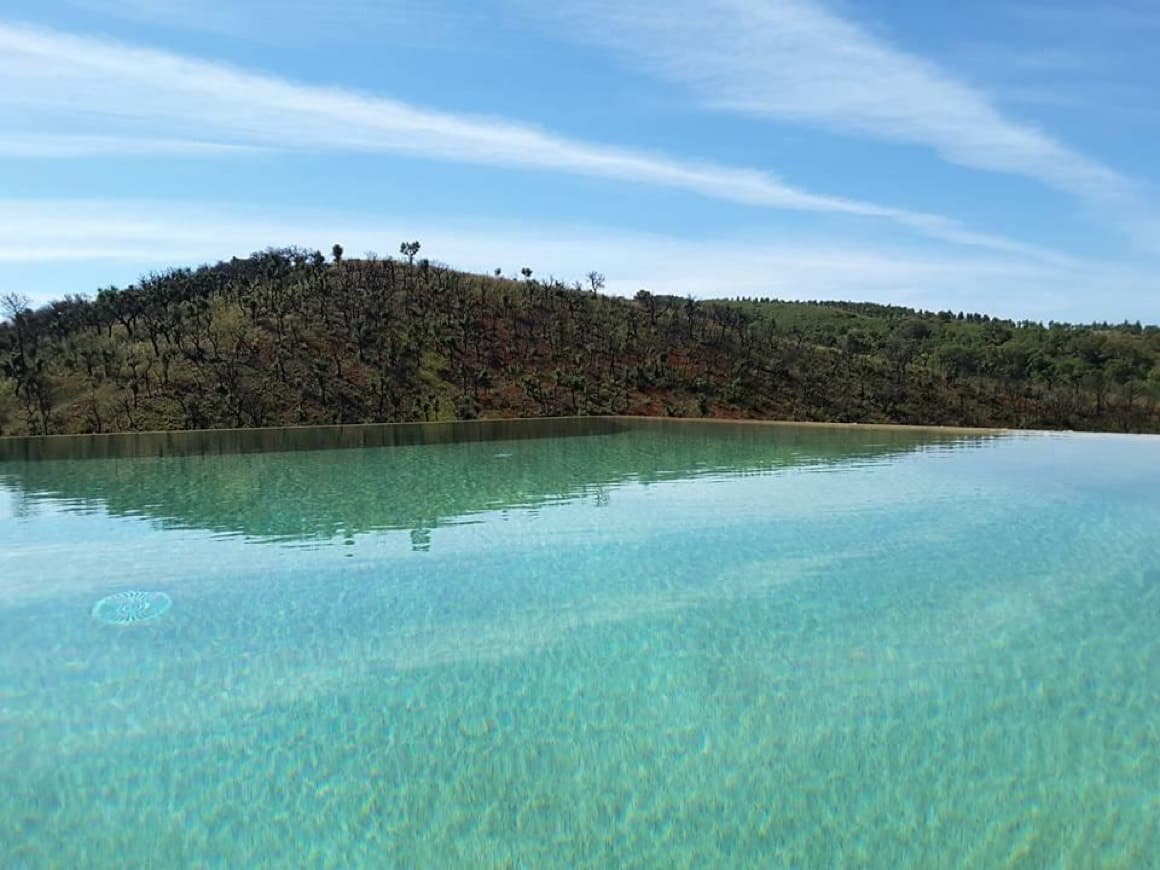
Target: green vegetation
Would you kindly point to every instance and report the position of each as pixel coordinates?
(251, 484)
(286, 337)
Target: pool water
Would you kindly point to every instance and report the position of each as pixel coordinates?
(640, 644)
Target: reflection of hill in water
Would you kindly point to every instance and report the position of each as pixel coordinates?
(295, 484)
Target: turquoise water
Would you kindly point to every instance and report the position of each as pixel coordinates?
(644, 645)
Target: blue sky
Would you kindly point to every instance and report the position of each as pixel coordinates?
(991, 156)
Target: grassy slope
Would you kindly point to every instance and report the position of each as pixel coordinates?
(284, 337)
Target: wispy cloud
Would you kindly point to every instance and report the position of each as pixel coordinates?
(1090, 61)
(1141, 17)
(107, 93)
(420, 22)
(185, 14)
(114, 241)
(65, 146)
(797, 61)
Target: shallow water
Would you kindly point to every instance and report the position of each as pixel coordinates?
(652, 645)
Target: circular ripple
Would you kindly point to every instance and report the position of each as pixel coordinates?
(129, 608)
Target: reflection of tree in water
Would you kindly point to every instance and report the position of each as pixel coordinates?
(299, 490)
(421, 540)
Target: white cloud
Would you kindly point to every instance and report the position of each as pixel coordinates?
(108, 93)
(419, 22)
(63, 146)
(1141, 17)
(114, 241)
(193, 14)
(794, 60)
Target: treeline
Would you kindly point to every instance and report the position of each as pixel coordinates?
(291, 337)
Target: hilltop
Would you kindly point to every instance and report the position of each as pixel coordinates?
(287, 336)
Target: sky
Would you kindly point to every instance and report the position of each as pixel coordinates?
(994, 156)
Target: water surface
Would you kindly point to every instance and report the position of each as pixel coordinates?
(652, 644)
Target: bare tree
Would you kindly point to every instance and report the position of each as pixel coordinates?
(12, 305)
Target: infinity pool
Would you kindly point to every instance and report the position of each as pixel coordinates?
(580, 643)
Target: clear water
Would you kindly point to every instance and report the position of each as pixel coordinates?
(653, 645)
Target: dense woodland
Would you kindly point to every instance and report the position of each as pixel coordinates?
(292, 337)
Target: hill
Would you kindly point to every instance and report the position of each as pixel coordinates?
(288, 337)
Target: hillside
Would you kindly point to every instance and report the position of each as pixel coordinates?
(289, 337)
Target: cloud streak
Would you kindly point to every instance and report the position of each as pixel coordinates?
(63, 146)
(796, 61)
(114, 97)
